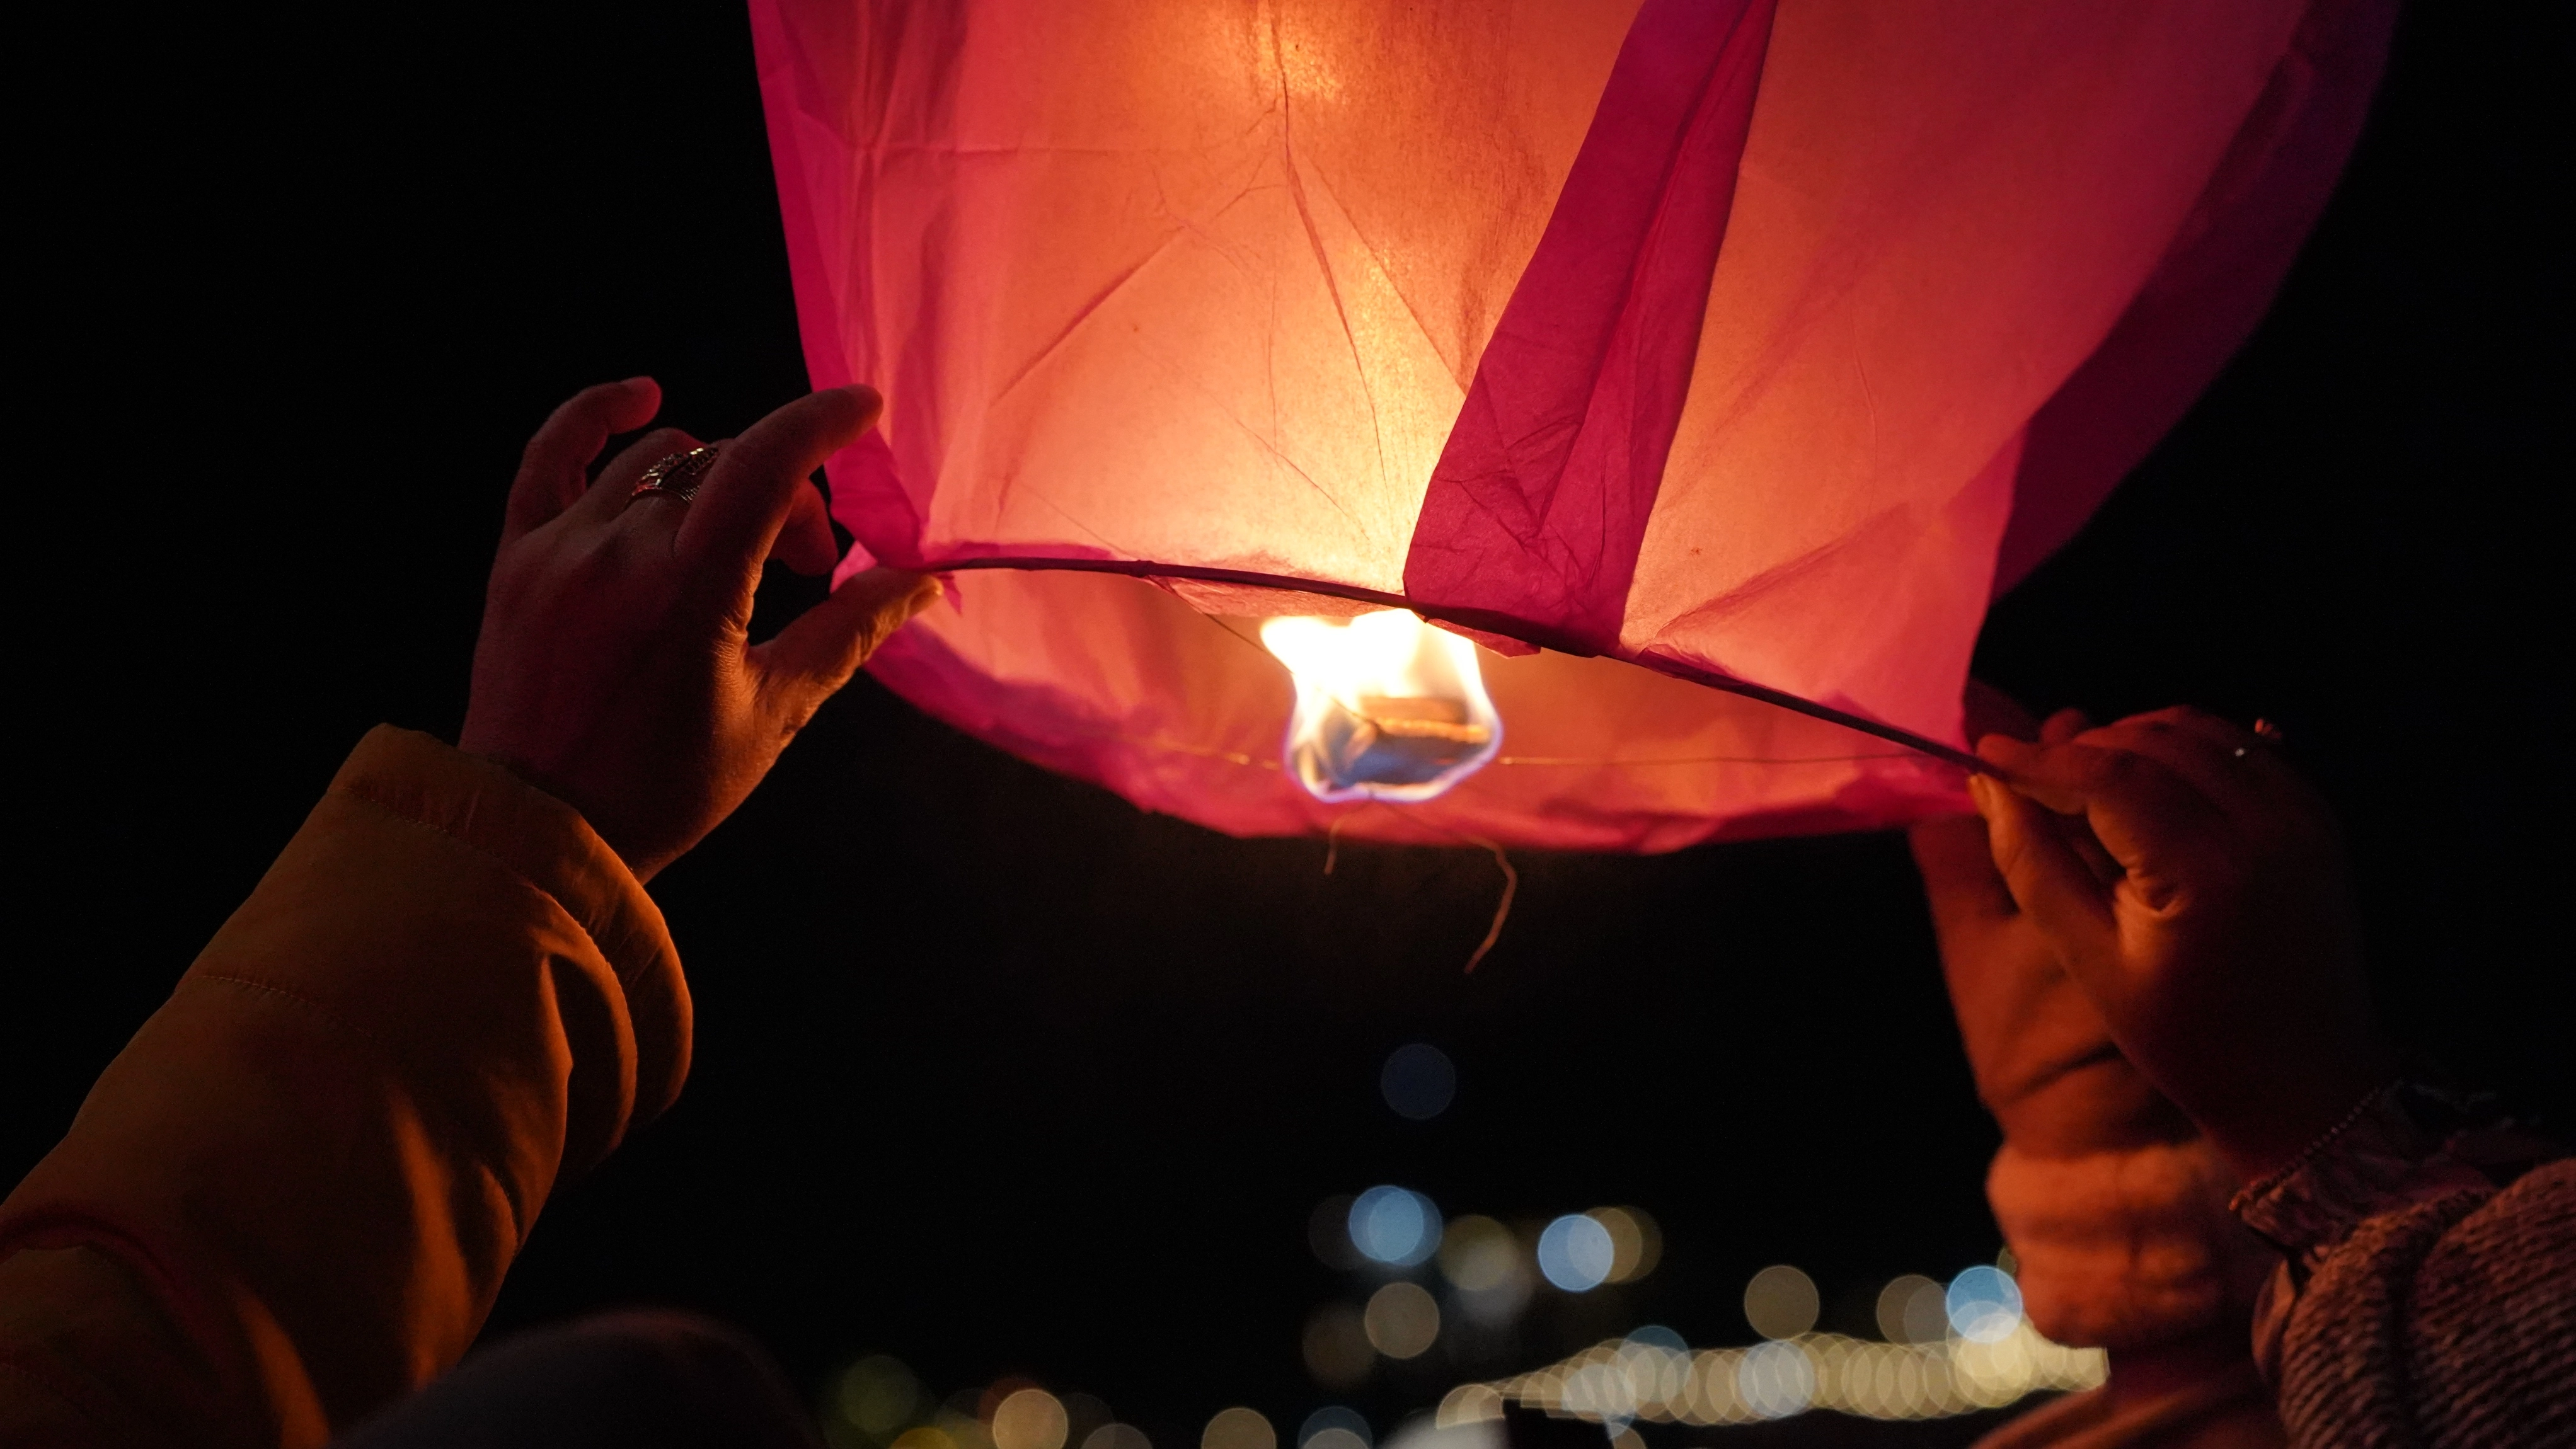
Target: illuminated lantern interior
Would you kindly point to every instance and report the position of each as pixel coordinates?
(1709, 362)
(1388, 708)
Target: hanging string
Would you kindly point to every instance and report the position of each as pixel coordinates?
(1255, 645)
(1502, 908)
(1511, 877)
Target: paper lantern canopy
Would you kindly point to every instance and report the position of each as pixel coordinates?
(1709, 364)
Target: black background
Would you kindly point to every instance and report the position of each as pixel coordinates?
(993, 1071)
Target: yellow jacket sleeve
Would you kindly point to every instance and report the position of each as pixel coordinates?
(292, 1197)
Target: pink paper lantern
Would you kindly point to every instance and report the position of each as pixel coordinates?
(1732, 352)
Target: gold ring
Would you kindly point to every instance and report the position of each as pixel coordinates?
(677, 475)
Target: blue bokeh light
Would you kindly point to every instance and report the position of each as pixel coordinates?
(1576, 1253)
(1655, 1335)
(1395, 1226)
(1984, 1304)
(1419, 1081)
(1334, 1416)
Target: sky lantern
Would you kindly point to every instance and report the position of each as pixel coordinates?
(1566, 423)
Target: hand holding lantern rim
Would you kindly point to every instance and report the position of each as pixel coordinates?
(2215, 929)
(2043, 1056)
(615, 669)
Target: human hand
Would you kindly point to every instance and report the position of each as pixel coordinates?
(2220, 943)
(2042, 1054)
(615, 669)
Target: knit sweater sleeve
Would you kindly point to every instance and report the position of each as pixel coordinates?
(2428, 1290)
(292, 1197)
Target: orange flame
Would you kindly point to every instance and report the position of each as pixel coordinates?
(1388, 708)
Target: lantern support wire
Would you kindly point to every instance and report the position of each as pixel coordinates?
(1485, 621)
(1702, 759)
(1248, 641)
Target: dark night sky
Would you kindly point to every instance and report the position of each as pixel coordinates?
(994, 1072)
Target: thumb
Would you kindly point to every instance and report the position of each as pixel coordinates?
(1958, 870)
(821, 648)
(2048, 880)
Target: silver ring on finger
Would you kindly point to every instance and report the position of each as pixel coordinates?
(677, 475)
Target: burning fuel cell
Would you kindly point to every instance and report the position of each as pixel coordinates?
(1388, 708)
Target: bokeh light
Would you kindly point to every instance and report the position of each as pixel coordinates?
(924, 1437)
(878, 1395)
(1029, 1419)
(1776, 1379)
(1984, 1305)
(1336, 1346)
(1116, 1436)
(1490, 1269)
(1644, 1378)
(1598, 1391)
(1635, 1242)
(1439, 1431)
(1419, 1081)
(1575, 1253)
(1395, 1226)
(989, 1399)
(1470, 1404)
(1083, 1413)
(1657, 1363)
(964, 1418)
(1479, 1254)
(1238, 1428)
(1402, 1320)
(1348, 1427)
(1655, 1335)
(1780, 1302)
(1911, 1309)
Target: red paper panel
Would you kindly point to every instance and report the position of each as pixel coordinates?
(1723, 338)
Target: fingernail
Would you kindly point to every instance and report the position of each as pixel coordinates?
(637, 383)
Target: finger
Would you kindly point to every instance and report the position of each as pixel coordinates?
(749, 492)
(2221, 760)
(2154, 823)
(2059, 728)
(1959, 878)
(2047, 880)
(2064, 725)
(2077, 832)
(821, 648)
(614, 492)
(805, 543)
(2258, 755)
(552, 470)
